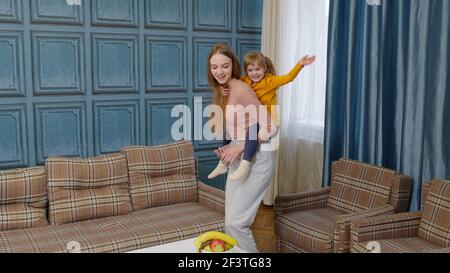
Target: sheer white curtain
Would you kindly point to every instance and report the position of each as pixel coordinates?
(292, 29)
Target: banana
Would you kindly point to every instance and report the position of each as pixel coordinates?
(204, 245)
(211, 235)
(207, 248)
(228, 247)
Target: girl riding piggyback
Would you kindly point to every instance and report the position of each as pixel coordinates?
(261, 77)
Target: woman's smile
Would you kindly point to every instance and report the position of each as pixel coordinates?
(221, 68)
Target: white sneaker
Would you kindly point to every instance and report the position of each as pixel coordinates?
(220, 169)
(242, 171)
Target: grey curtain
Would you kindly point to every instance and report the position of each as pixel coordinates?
(388, 96)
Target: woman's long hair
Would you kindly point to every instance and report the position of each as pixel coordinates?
(218, 99)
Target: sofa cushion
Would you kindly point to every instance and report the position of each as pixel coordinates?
(357, 186)
(435, 222)
(139, 229)
(309, 230)
(401, 245)
(23, 198)
(80, 189)
(161, 175)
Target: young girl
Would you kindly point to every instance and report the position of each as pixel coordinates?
(260, 76)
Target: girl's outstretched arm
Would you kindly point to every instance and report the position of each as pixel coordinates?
(306, 60)
(277, 81)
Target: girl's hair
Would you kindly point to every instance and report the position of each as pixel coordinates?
(218, 99)
(256, 57)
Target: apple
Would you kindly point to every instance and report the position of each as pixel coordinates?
(218, 245)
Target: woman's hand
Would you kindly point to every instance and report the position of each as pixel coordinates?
(232, 153)
(221, 150)
(306, 60)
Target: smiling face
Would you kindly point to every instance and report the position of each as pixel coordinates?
(221, 68)
(255, 72)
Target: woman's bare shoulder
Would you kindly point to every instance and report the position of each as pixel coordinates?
(243, 87)
(244, 94)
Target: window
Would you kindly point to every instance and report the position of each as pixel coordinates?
(304, 32)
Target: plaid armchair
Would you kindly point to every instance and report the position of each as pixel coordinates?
(319, 221)
(419, 231)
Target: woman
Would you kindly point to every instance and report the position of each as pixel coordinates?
(242, 197)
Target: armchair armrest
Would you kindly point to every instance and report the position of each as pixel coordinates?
(211, 197)
(400, 225)
(441, 250)
(287, 203)
(400, 193)
(342, 234)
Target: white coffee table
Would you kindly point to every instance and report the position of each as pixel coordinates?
(183, 246)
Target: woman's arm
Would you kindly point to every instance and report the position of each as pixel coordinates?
(232, 152)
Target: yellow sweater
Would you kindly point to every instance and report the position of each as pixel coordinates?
(266, 88)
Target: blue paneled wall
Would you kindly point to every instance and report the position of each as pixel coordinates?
(85, 80)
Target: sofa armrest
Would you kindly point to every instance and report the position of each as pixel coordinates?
(287, 203)
(395, 226)
(342, 226)
(211, 197)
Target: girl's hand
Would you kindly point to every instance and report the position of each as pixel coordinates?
(232, 153)
(306, 60)
(225, 91)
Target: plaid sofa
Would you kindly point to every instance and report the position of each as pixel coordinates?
(419, 231)
(319, 221)
(141, 197)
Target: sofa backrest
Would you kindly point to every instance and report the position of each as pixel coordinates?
(435, 222)
(23, 198)
(161, 175)
(357, 186)
(80, 189)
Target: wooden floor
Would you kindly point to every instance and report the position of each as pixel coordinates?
(264, 229)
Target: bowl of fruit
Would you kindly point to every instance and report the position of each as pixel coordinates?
(215, 242)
